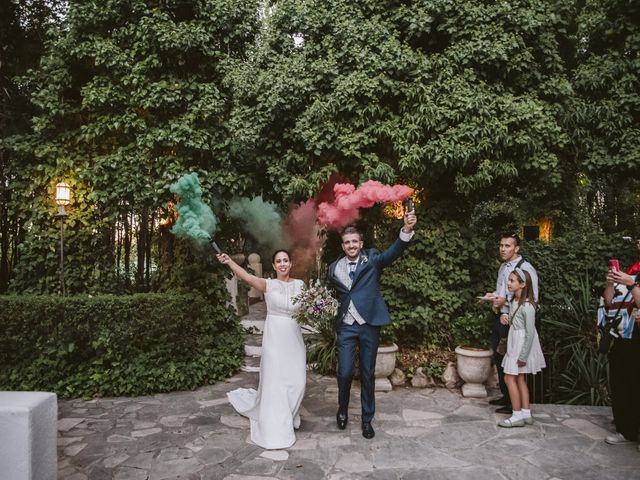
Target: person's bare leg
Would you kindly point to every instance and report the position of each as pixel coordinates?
(512, 386)
(523, 390)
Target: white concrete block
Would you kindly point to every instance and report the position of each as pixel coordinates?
(28, 431)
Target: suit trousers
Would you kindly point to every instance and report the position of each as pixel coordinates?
(367, 338)
(499, 331)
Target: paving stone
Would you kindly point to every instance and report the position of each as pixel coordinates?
(145, 433)
(412, 416)
(173, 420)
(197, 445)
(73, 450)
(130, 473)
(76, 476)
(208, 456)
(115, 460)
(172, 468)
(174, 453)
(297, 469)
(141, 461)
(235, 421)
(63, 441)
(463, 473)
(117, 438)
(213, 403)
(259, 466)
(355, 462)
(587, 428)
(138, 425)
(405, 431)
(235, 476)
(275, 455)
(66, 424)
(305, 444)
(414, 455)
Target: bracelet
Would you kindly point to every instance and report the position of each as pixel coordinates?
(632, 286)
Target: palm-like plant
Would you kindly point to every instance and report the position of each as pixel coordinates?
(570, 337)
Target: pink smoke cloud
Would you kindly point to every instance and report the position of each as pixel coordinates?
(345, 209)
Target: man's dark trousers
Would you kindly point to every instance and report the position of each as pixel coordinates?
(349, 336)
(500, 331)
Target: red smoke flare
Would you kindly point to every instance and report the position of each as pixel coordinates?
(345, 208)
(303, 232)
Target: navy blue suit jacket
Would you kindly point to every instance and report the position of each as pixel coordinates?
(365, 288)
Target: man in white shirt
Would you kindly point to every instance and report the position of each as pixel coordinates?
(511, 259)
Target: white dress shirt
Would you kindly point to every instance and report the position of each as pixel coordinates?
(503, 275)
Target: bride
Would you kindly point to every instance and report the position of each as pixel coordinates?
(273, 409)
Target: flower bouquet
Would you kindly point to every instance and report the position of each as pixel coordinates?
(316, 305)
(317, 310)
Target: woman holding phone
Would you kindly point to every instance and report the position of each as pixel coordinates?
(622, 299)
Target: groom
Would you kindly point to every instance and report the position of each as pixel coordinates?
(356, 279)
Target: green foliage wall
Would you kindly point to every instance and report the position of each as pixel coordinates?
(605, 111)
(430, 290)
(129, 97)
(463, 97)
(116, 345)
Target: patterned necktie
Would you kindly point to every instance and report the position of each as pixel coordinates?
(352, 270)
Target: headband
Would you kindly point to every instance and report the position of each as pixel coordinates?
(521, 274)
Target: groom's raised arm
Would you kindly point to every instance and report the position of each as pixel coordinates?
(400, 245)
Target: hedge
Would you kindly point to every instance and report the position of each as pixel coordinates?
(84, 346)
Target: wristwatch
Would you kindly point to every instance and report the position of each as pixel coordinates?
(632, 286)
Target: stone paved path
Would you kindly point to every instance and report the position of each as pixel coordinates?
(420, 434)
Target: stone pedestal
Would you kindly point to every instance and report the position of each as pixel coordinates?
(474, 367)
(256, 265)
(385, 365)
(28, 433)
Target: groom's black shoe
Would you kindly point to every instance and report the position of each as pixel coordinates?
(341, 419)
(367, 430)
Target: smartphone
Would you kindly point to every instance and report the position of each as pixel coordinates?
(614, 265)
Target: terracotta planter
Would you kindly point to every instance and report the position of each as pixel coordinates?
(474, 367)
(385, 364)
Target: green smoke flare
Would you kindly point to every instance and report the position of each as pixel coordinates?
(195, 218)
(261, 220)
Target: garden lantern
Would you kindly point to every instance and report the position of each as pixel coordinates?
(63, 198)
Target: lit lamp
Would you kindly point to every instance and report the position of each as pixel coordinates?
(63, 198)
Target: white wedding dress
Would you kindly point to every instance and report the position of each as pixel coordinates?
(273, 409)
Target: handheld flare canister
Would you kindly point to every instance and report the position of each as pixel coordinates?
(215, 246)
(408, 205)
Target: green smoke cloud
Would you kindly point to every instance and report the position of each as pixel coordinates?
(261, 220)
(195, 218)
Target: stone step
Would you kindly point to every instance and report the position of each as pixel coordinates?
(256, 327)
(251, 364)
(253, 326)
(253, 345)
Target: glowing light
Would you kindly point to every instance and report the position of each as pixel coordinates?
(546, 229)
(63, 194)
(396, 209)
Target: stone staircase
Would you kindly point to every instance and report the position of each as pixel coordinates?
(253, 323)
